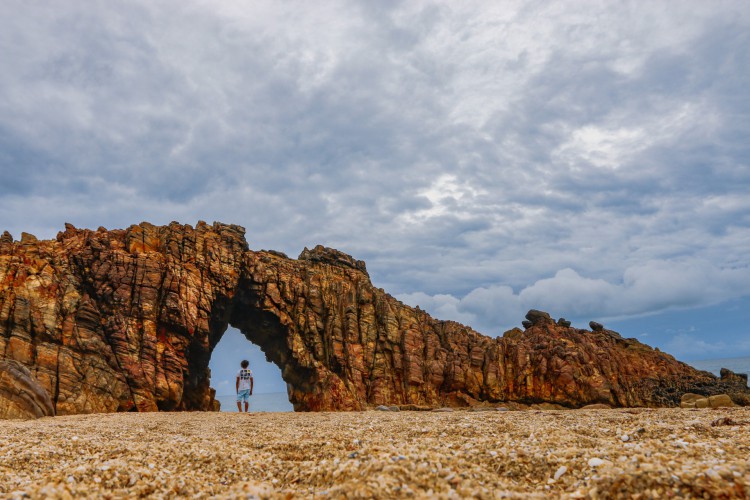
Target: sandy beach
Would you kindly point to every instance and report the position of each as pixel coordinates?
(634, 453)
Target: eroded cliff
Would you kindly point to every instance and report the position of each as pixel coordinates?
(120, 320)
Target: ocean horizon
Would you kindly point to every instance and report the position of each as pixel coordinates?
(267, 402)
(737, 365)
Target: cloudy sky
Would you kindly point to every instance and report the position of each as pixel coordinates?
(591, 159)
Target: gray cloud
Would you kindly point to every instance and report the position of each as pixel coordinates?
(482, 159)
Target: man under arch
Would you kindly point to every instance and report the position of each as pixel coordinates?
(244, 385)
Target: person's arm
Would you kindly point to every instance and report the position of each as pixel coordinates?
(251, 385)
(237, 385)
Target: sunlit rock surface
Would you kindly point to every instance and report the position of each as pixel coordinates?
(126, 320)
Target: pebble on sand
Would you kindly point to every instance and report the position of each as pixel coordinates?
(560, 471)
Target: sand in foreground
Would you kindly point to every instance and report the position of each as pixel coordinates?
(569, 454)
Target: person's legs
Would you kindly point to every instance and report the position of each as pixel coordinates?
(240, 398)
(243, 396)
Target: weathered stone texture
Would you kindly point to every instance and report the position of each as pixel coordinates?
(20, 395)
(126, 320)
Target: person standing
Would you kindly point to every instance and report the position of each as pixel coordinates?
(244, 385)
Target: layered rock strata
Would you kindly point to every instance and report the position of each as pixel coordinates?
(21, 397)
(126, 320)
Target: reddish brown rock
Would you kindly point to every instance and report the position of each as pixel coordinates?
(126, 320)
(728, 375)
(21, 396)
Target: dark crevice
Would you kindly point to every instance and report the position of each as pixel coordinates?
(90, 294)
(197, 377)
(57, 382)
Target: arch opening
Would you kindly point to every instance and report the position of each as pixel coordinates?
(260, 328)
(270, 390)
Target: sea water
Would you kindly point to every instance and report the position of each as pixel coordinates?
(271, 402)
(737, 365)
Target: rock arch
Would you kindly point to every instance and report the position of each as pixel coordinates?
(125, 320)
(260, 327)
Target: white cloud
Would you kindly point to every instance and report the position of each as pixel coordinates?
(441, 306)
(644, 289)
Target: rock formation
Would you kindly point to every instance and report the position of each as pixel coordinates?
(690, 400)
(20, 395)
(596, 327)
(126, 320)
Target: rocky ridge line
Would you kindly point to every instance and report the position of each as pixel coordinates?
(120, 320)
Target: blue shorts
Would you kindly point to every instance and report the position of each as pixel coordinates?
(243, 396)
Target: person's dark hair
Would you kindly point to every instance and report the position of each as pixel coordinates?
(244, 363)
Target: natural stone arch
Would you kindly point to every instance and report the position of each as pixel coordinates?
(310, 362)
(262, 328)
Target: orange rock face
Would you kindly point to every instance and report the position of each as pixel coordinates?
(126, 320)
